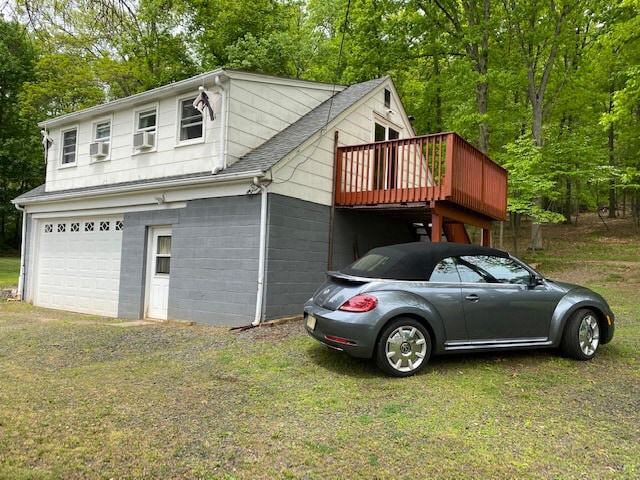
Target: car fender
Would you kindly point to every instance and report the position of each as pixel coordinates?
(570, 303)
(399, 303)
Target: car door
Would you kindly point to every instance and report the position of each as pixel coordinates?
(443, 292)
(501, 302)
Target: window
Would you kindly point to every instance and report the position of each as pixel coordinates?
(146, 120)
(487, 269)
(446, 272)
(102, 131)
(163, 256)
(104, 226)
(385, 161)
(88, 227)
(69, 146)
(190, 121)
(387, 98)
(370, 262)
(101, 136)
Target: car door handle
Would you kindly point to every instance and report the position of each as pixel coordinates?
(472, 298)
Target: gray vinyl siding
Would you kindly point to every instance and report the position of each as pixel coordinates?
(297, 254)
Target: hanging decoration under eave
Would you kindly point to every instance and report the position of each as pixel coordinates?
(47, 141)
(203, 102)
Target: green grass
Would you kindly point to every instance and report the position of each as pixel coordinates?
(83, 397)
(9, 271)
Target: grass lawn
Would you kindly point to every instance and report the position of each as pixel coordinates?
(87, 397)
(9, 272)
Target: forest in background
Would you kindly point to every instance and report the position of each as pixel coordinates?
(550, 89)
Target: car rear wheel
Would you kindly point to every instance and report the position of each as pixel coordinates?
(404, 347)
(581, 336)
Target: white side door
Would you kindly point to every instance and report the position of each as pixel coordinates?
(158, 272)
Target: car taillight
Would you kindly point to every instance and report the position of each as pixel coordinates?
(359, 303)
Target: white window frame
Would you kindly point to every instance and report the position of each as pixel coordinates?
(95, 127)
(138, 114)
(63, 155)
(188, 141)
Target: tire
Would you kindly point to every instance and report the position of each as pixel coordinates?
(581, 336)
(404, 347)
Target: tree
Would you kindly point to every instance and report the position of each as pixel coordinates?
(21, 165)
(550, 38)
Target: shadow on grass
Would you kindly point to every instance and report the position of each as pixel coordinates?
(342, 363)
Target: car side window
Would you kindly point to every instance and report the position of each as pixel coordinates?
(445, 271)
(490, 269)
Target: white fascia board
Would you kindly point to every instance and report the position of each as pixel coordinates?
(128, 196)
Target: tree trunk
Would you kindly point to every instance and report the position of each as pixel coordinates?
(612, 183)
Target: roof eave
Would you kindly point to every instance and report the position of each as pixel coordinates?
(134, 188)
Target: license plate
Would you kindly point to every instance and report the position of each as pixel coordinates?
(311, 322)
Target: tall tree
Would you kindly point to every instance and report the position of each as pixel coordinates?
(21, 165)
(468, 27)
(550, 38)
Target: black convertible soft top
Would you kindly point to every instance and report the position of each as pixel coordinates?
(412, 261)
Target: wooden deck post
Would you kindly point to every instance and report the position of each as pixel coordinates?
(486, 237)
(436, 227)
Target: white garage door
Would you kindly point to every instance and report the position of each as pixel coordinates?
(78, 264)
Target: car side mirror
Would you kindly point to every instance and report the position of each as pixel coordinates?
(536, 280)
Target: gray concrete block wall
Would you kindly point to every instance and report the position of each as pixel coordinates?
(297, 255)
(215, 249)
(214, 261)
(133, 260)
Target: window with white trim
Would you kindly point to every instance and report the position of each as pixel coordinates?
(146, 120)
(69, 146)
(102, 131)
(190, 121)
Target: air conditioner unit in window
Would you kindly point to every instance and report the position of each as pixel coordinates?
(142, 140)
(98, 149)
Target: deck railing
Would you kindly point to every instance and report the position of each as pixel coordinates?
(431, 168)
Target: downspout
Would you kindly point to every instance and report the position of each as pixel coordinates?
(332, 213)
(22, 251)
(262, 257)
(222, 160)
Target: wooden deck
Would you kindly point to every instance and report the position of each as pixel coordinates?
(441, 173)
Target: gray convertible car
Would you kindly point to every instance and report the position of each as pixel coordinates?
(401, 304)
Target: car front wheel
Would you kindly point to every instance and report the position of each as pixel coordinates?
(404, 347)
(581, 335)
